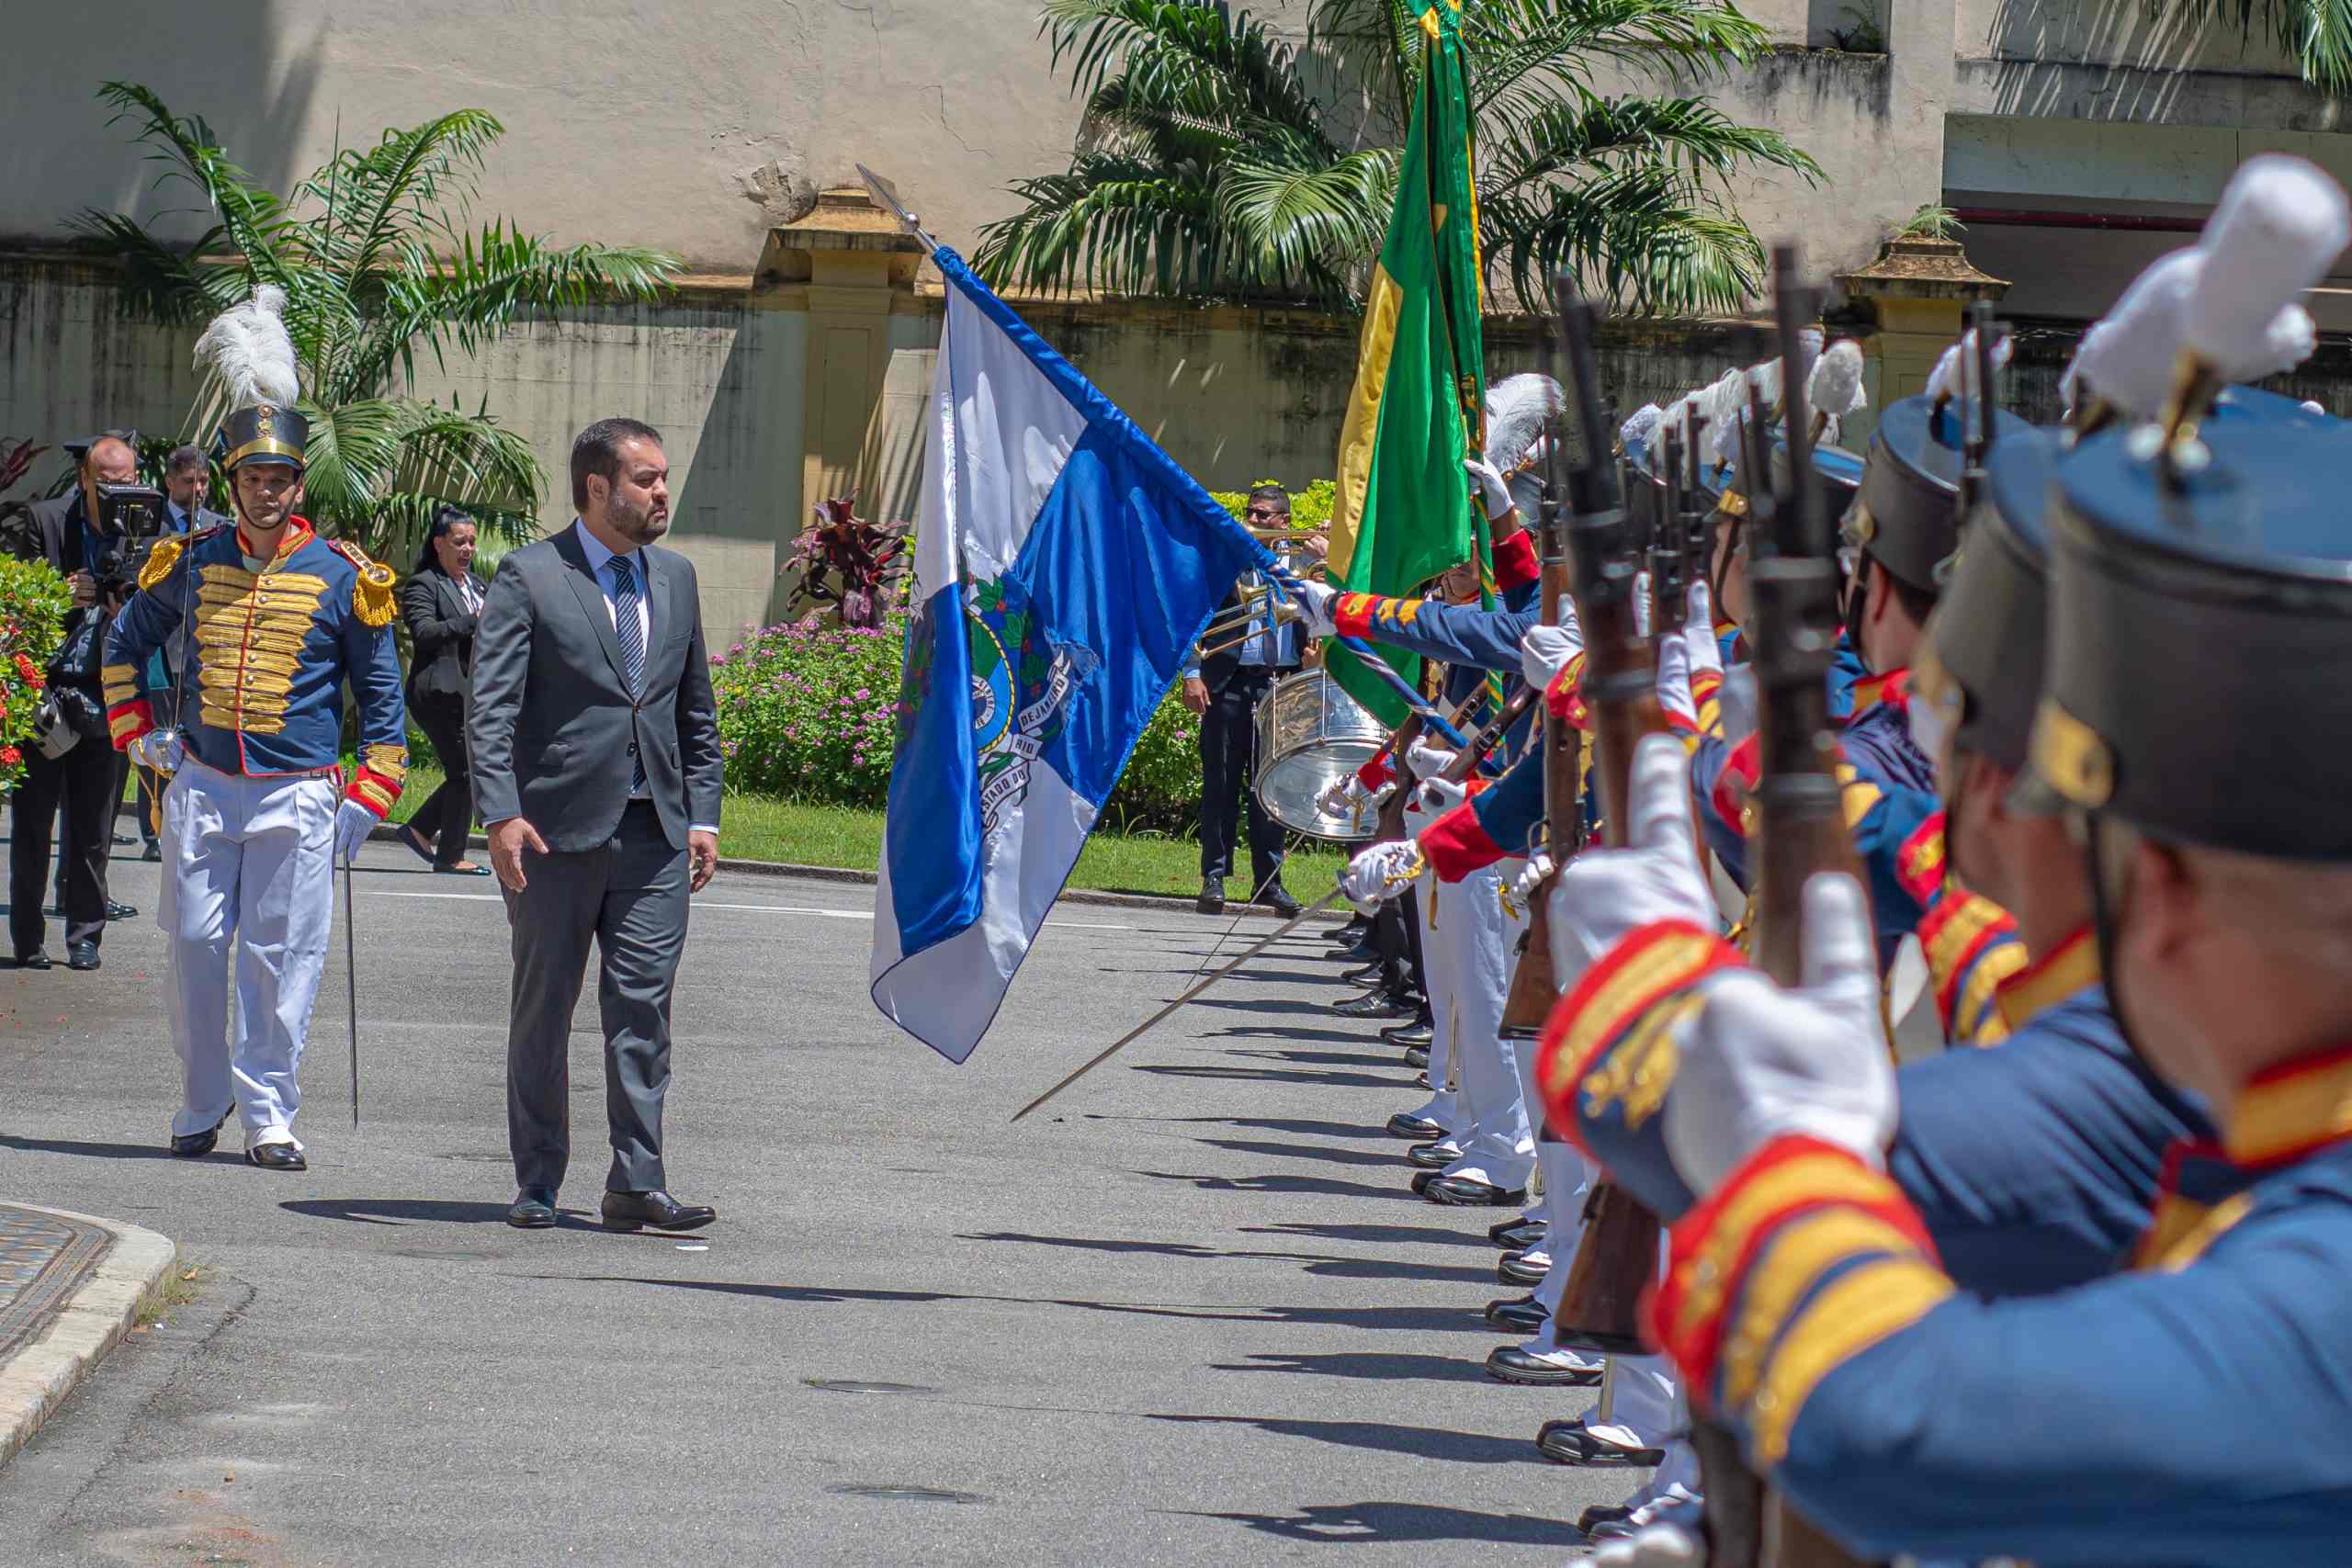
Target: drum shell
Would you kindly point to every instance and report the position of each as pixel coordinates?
(1311, 735)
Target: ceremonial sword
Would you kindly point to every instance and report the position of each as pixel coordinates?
(350, 980)
(1204, 984)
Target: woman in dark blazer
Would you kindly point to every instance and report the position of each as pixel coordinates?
(440, 602)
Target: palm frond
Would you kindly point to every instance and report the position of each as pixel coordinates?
(1205, 58)
(403, 186)
(162, 281)
(1111, 224)
(1650, 238)
(1306, 223)
(378, 467)
(1687, 134)
(252, 219)
(2318, 33)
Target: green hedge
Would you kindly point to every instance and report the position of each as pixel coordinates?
(33, 604)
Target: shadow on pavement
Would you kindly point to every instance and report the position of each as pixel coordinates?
(108, 1151)
(1371, 1364)
(1321, 1264)
(1278, 1075)
(1415, 1442)
(404, 1211)
(1378, 1234)
(1350, 1523)
(1311, 1129)
(1322, 1186)
(1392, 1159)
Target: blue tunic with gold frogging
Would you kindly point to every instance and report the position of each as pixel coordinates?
(271, 651)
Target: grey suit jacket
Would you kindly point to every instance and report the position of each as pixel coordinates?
(553, 728)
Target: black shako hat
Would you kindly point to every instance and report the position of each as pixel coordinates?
(1837, 471)
(1988, 644)
(1906, 517)
(2201, 637)
(266, 432)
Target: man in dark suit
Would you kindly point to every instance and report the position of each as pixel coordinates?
(81, 784)
(1223, 688)
(597, 771)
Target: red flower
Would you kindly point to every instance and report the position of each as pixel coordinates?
(10, 756)
(32, 675)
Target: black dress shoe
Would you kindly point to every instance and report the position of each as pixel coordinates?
(1432, 1156)
(1521, 1315)
(1364, 973)
(1279, 900)
(1600, 1514)
(124, 841)
(1356, 952)
(1509, 1363)
(1420, 1129)
(1567, 1443)
(1415, 1032)
(634, 1210)
(195, 1146)
(81, 955)
(1416, 1056)
(1421, 1179)
(1463, 1192)
(1495, 1233)
(151, 852)
(121, 911)
(276, 1156)
(36, 959)
(1374, 1004)
(533, 1209)
(1512, 1269)
(1212, 898)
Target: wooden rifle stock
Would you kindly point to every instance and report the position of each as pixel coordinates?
(1617, 1256)
(1800, 830)
(1535, 984)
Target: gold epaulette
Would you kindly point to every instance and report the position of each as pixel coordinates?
(371, 595)
(165, 556)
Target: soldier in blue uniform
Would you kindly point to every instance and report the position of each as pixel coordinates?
(257, 810)
(1816, 1299)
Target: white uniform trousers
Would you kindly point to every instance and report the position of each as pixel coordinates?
(1493, 1130)
(249, 860)
(1442, 1107)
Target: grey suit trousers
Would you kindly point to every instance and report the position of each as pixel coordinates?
(629, 897)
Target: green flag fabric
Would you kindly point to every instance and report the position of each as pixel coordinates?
(1403, 511)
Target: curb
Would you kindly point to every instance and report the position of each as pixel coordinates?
(386, 833)
(35, 1380)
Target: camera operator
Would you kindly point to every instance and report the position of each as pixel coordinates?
(71, 768)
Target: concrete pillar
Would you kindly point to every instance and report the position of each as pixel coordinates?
(1919, 291)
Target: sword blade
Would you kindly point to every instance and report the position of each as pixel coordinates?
(1195, 989)
(351, 982)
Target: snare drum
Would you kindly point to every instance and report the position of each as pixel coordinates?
(1311, 735)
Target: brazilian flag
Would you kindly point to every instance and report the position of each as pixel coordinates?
(1403, 511)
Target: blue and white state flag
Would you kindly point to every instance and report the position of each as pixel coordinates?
(1066, 564)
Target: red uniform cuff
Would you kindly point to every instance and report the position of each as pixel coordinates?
(1376, 773)
(1641, 971)
(1515, 562)
(1740, 771)
(1351, 614)
(1564, 695)
(374, 791)
(126, 722)
(1456, 844)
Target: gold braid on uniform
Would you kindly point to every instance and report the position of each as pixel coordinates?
(160, 558)
(371, 595)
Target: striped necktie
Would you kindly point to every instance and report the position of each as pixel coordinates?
(631, 637)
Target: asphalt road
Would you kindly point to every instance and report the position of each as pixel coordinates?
(1189, 1313)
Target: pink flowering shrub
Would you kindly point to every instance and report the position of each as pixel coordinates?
(805, 713)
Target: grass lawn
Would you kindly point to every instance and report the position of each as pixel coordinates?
(754, 827)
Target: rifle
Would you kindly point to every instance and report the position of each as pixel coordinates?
(1617, 1257)
(1534, 987)
(1693, 520)
(1669, 596)
(1800, 833)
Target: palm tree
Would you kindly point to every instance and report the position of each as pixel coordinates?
(378, 266)
(1208, 168)
(2318, 33)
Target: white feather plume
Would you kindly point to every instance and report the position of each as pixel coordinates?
(2292, 338)
(2127, 356)
(1642, 430)
(2279, 225)
(1955, 372)
(1517, 406)
(1834, 388)
(248, 348)
(1809, 342)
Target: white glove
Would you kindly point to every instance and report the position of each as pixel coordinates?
(1699, 631)
(1317, 599)
(160, 750)
(1427, 761)
(1544, 651)
(1340, 799)
(1524, 887)
(1440, 796)
(1380, 873)
(1604, 894)
(1760, 1063)
(1641, 603)
(1674, 677)
(1496, 489)
(353, 823)
(1653, 1546)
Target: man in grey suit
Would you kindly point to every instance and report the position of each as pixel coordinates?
(597, 769)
